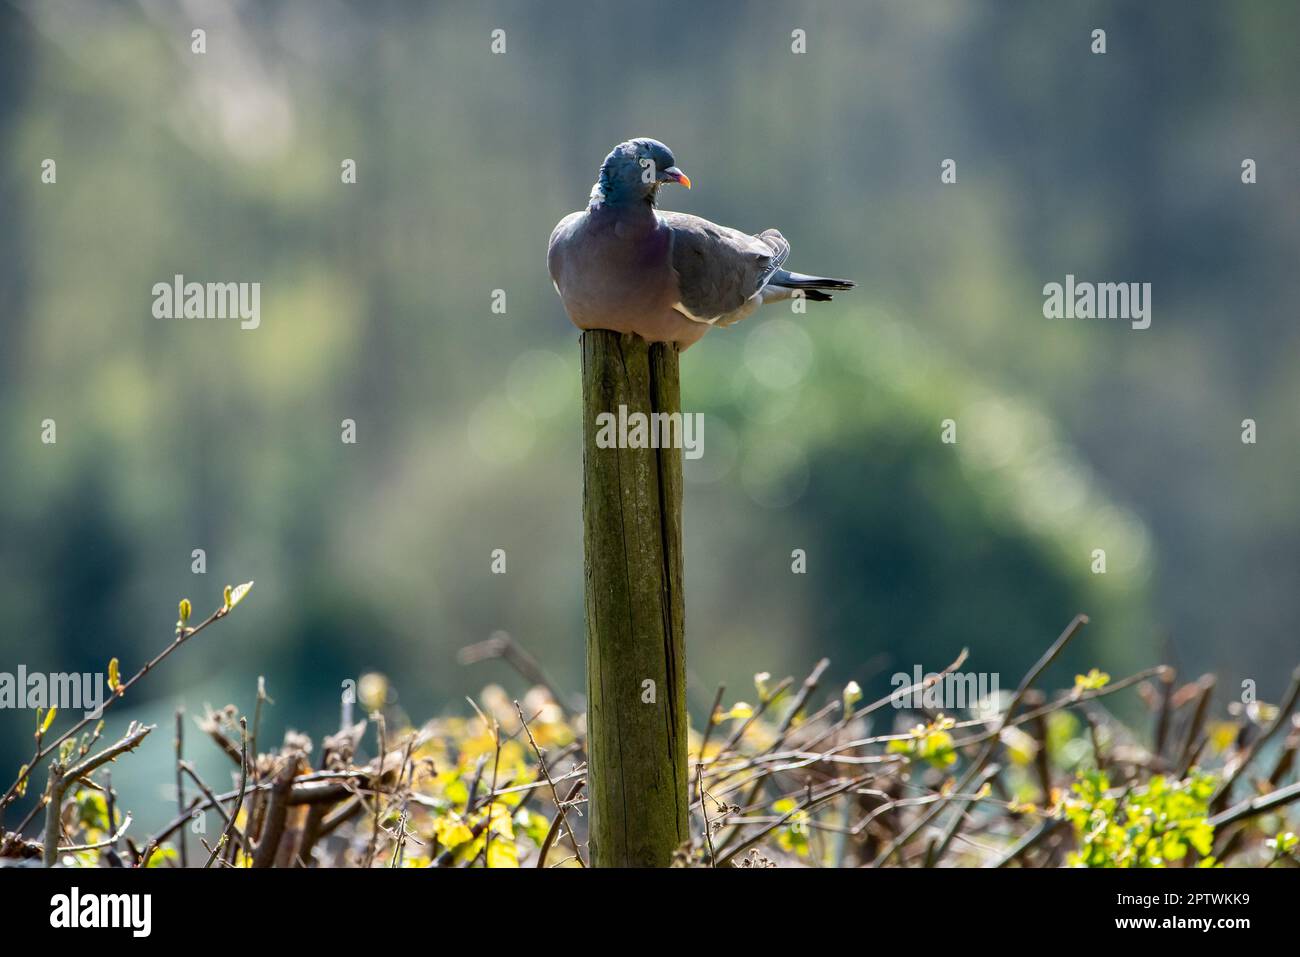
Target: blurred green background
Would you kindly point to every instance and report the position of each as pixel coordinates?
(821, 431)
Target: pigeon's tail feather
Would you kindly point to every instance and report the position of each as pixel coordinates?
(814, 288)
(797, 280)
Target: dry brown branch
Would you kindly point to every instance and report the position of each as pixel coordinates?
(1204, 688)
(503, 646)
(977, 765)
(1280, 720)
(61, 778)
(1258, 805)
(557, 823)
(806, 806)
(559, 805)
(277, 811)
(1031, 839)
(239, 801)
(188, 769)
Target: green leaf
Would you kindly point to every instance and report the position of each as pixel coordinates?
(534, 826)
(739, 710)
(235, 595)
(501, 852)
(1021, 747)
(92, 809)
(1092, 681)
(162, 856)
(451, 831)
(937, 748)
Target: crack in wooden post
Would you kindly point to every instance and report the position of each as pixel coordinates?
(632, 544)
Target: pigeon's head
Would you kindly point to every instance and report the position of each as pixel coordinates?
(634, 171)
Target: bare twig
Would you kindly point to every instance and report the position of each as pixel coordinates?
(501, 645)
(381, 731)
(704, 810)
(239, 801)
(1204, 689)
(558, 822)
(806, 806)
(1280, 719)
(559, 805)
(941, 846)
(188, 768)
(710, 722)
(1258, 805)
(182, 844)
(1030, 840)
(107, 842)
(1164, 709)
(977, 765)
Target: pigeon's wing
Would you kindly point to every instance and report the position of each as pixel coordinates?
(780, 245)
(719, 269)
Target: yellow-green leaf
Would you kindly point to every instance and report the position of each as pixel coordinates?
(937, 748)
(502, 851)
(163, 856)
(236, 594)
(852, 695)
(1021, 747)
(739, 710)
(451, 831)
(1092, 681)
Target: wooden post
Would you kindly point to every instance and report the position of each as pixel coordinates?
(636, 669)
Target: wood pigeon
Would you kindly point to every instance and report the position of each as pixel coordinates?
(624, 265)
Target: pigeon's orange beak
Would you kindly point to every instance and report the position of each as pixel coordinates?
(675, 175)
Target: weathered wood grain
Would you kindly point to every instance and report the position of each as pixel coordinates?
(632, 535)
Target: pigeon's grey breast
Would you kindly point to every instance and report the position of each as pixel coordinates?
(611, 269)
